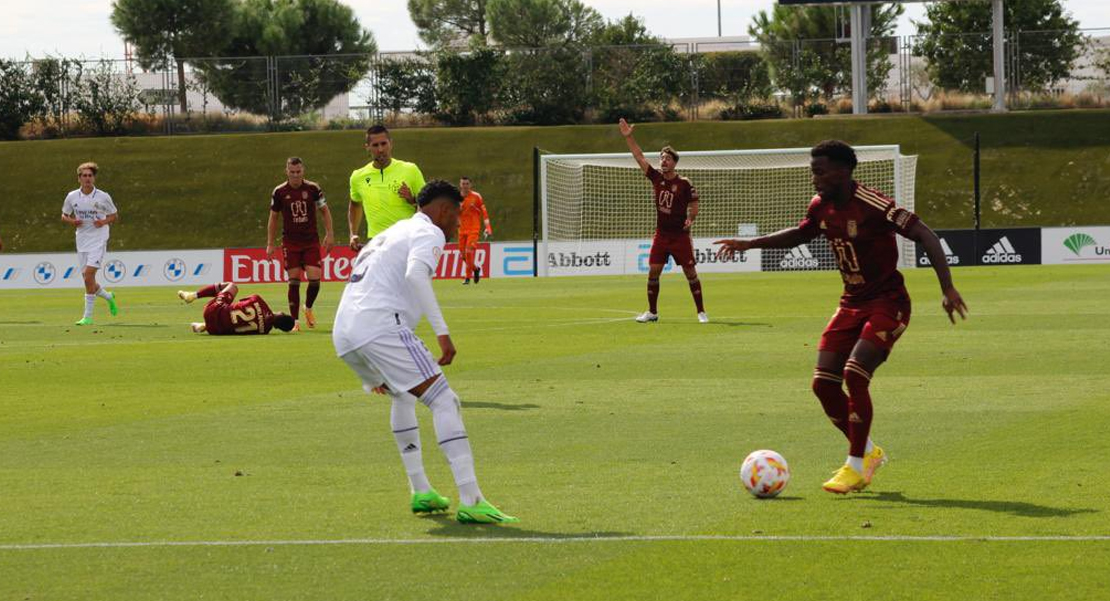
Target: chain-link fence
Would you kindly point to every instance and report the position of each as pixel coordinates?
(685, 81)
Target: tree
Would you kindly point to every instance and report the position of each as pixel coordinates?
(634, 74)
(800, 45)
(542, 23)
(443, 23)
(958, 46)
(468, 84)
(321, 51)
(177, 29)
(20, 100)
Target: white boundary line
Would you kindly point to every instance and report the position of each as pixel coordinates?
(551, 540)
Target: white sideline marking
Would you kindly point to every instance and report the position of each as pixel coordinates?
(549, 540)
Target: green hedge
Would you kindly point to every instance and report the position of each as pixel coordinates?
(1039, 168)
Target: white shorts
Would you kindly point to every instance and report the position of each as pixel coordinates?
(93, 258)
(397, 358)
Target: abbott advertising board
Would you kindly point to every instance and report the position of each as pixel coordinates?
(130, 268)
(251, 266)
(628, 257)
(1075, 245)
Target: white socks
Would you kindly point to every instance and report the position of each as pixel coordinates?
(451, 435)
(406, 432)
(856, 463)
(90, 300)
(870, 446)
(102, 293)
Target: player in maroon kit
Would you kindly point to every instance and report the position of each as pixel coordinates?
(860, 224)
(223, 315)
(676, 206)
(297, 201)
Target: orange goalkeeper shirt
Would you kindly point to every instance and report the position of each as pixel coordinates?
(472, 215)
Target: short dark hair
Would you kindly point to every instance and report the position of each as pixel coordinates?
(466, 177)
(284, 322)
(836, 151)
(378, 129)
(294, 161)
(671, 151)
(436, 189)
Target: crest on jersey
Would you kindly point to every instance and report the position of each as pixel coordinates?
(304, 195)
(286, 197)
(852, 228)
(823, 226)
(674, 187)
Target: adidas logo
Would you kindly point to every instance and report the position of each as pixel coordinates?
(799, 257)
(1002, 252)
(953, 258)
(411, 448)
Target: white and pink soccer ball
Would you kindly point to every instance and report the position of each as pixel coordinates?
(764, 473)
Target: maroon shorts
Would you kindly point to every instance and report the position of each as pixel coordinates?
(879, 321)
(300, 256)
(678, 245)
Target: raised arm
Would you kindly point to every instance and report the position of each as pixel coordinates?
(927, 238)
(637, 153)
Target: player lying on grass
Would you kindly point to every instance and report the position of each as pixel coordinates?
(224, 315)
(390, 290)
(860, 224)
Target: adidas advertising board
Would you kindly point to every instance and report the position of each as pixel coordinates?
(999, 246)
(1012, 246)
(1075, 245)
(811, 256)
(958, 246)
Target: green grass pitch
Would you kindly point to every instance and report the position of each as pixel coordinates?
(584, 424)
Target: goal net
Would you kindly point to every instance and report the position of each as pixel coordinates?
(590, 197)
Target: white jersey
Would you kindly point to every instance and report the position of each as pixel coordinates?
(89, 208)
(377, 298)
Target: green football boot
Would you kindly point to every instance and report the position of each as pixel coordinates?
(483, 512)
(84, 321)
(112, 307)
(429, 502)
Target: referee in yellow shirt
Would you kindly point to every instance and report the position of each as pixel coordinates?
(385, 189)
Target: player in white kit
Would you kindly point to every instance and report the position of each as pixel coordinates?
(389, 291)
(90, 211)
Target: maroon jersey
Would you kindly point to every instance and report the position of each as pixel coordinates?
(861, 236)
(298, 211)
(672, 196)
(224, 315)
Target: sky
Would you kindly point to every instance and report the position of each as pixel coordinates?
(81, 28)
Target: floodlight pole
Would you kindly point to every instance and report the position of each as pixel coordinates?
(999, 29)
(718, 18)
(861, 17)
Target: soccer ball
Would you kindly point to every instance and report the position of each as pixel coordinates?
(764, 473)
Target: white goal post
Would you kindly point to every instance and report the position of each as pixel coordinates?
(587, 198)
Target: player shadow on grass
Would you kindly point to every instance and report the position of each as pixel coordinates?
(1017, 508)
(501, 406)
(739, 324)
(446, 525)
(19, 323)
(133, 325)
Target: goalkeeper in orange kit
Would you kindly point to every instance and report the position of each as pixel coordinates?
(472, 218)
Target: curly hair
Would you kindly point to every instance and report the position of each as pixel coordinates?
(837, 152)
(436, 189)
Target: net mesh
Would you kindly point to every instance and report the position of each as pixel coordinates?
(604, 197)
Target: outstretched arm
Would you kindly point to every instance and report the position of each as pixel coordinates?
(637, 153)
(927, 238)
(788, 238)
(271, 233)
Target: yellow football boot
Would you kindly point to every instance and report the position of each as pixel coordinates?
(844, 481)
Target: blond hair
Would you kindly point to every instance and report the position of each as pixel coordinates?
(91, 166)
